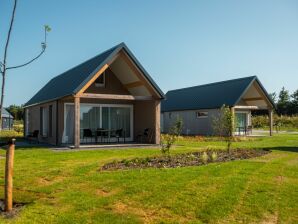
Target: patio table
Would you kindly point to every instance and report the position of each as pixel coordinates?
(108, 131)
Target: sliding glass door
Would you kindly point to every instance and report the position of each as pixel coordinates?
(90, 117)
(114, 118)
(110, 117)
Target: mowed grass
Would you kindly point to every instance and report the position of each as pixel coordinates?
(68, 187)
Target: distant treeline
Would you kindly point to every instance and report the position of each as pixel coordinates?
(16, 111)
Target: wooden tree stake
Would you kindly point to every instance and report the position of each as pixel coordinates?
(8, 175)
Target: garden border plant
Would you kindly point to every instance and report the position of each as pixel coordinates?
(184, 159)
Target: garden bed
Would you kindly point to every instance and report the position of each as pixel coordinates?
(186, 159)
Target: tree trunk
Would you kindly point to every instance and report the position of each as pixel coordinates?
(4, 60)
(8, 176)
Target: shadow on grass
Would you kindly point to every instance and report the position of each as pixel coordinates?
(283, 148)
(24, 144)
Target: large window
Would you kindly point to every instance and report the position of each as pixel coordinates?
(44, 121)
(202, 114)
(114, 118)
(94, 116)
(109, 117)
(90, 117)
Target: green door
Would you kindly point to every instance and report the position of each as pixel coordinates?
(241, 120)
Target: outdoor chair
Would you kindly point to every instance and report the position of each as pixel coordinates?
(119, 133)
(144, 136)
(33, 136)
(87, 133)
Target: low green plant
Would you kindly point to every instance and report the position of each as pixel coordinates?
(214, 156)
(167, 140)
(204, 157)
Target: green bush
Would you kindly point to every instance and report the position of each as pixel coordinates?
(5, 135)
(285, 122)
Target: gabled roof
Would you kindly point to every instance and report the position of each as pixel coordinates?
(6, 114)
(209, 96)
(71, 81)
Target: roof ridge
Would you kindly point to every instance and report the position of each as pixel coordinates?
(213, 83)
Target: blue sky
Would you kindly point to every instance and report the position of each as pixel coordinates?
(180, 43)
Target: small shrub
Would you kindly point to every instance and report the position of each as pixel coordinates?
(214, 156)
(204, 157)
(223, 125)
(167, 140)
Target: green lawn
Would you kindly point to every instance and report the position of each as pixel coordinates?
(67, 187)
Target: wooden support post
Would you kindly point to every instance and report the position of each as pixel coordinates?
(233, 120)
(77, 122)
(270, 122)
(9, 175)
(157, 122)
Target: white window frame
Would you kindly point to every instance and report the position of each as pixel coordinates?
(203, 116)
(107, 105)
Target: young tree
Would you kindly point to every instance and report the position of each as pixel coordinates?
(283, 102)
(167, 140)
(4, 66)
(223, 125)
(3, 69)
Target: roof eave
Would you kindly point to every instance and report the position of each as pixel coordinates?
(45, 101)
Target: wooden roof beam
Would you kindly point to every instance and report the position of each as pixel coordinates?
(133, 84)
(113, 96)
(253, 99)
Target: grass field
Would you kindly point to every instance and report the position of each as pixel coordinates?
(67, 187)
